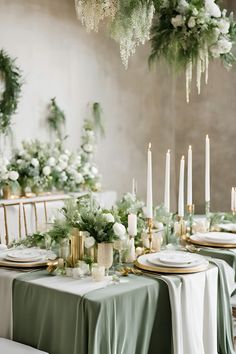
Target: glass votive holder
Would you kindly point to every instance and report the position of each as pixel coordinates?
(200, 225)
(98, 272)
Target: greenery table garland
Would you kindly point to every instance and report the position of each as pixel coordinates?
(10, 97)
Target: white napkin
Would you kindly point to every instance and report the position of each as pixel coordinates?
(194, 312)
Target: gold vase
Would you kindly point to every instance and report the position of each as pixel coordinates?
(77, 246)
(6, 191)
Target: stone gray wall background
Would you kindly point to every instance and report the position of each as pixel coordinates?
(59, 58)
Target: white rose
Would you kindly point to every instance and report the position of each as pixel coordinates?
(46, 171)
(94, 170)
(79, 178)
(62, 164)
(88, 148)
(212, 8)
(108, 217)
(13, 175)
(177, 21)
(119, 230)
(89, 242)
(191, 22)
(34, 162)
(19, 161)
(51, 161)
(224, 25)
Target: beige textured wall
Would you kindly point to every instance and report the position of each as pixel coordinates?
(59, 58)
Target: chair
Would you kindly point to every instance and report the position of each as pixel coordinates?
(10, 347)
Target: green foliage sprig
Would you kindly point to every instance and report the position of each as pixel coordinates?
(9, 100)
(56, 119)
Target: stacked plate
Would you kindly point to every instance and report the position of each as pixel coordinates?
(215, 239)
(228, 227)
(172, 262)
(24, 258)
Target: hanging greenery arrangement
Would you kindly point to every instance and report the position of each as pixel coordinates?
(11, 77)
(186, 33)
(56, 119)
(191, 33)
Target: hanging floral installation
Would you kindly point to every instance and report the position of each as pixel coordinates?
(186, 33)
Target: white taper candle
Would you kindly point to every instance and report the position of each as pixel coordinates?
(181, 188)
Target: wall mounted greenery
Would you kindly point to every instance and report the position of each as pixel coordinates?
(56, 119)
(11, 77)
(185, 33)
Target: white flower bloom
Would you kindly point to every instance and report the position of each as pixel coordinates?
(64, 157)
(191, 22)
(88, 148)
(79, 178)
(223, 46)
(46, 170)
(108, 217)
(177, 21)
(212, 8)
(183, 6)
(89, 242)
(13, 175)
(19, 161)
(58, 168)
(34, 162)
(62, 164)
(63, 176)
(194, 11)
(119, 230)
(94, 170)
(224, 26)
(51, 161)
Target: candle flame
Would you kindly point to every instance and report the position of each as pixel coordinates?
(149, 146)
(168, 151)
(182, 157)
(207, 136)
(190, 147)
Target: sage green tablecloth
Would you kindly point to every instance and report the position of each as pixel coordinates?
(130, 318)
(227, 255)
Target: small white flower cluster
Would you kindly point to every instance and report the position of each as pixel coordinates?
(130, 33)
(91, 12)
(209, 17)
(7, 174)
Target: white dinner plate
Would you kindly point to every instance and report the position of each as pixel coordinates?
(219, 237)
(24, 255)
(228, 227)
(176, 259)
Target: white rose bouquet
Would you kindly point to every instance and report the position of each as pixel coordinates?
(8, 176)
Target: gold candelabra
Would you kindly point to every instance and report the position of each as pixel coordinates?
(150, 233)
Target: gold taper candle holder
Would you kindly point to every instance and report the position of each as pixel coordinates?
(190, 213)
(77, 246)
(181, 229)
(150, 233)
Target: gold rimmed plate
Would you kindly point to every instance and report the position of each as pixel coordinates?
(199, 242)
(142, 263)
(37, 264)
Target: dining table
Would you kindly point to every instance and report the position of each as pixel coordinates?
(146, 314)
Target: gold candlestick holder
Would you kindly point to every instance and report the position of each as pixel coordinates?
(233, 211)
(190, 213)
(150, 234)
(181, 230)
